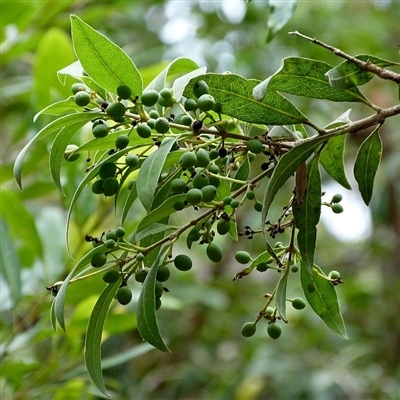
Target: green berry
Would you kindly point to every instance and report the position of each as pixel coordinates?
(82, 98)
(140, 257)
(121, 141)
(295, 268)
(337, 208)
(194, 196)
(203, 158)
(250, 195)
(116, 111)
(143, 130)
(298, 303)
(178, 185)
(111, 235)
(188, 160)
(214, 154)
(77, 87)
(132, 160)
(227, 200)
(97, 187)
(110, 243)
(107, 170)
(206, 102)
(178, 206)
(337, 198)
(158, 289)
(217, 108)
(111, 276)
(183, 262)
(124, 295)
(214, 252)
(223, 226)
(200, 88)
(262, 267)
(140, 274)
(274, 330)
(100, 130)
(124, 92)
(258, 206)
(209, 193)
(151, 122)
(255, 146)
(120, 232)
(214, 169)
(110, 187)
(158, 303)
(154, 114)
(215, 181)
(163, 102)
(248, 329)
(149, 98)
(190, 104)
(235, 203)
(200, 180)
(70, 153)
(242, 257)
(334, 275)
(166, 93)
(98, 260)
(186, 120)
(161, 125)
(163, 273)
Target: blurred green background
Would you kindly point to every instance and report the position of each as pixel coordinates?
(204, 311)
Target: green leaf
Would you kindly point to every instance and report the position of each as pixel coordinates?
(180, 84)
(280, 296)
(322, 297)
(242, 174)
(58, 108)
(279, 14)
(307, 78)
(367, 163)
(235, 93)
(130, 199)
(93, 335)
(152, 230)
(150, 172)
(103, 60)
(307, 214)
(348, 75)
(146, 307)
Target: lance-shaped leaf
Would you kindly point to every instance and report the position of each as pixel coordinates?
(305, 77)
(280, 296)
(242, 174)
(348, 75)
(307, 214)
(367, 163)
(103, 60)
(58, 108)
(235, 93)
(93, 335)
(146, 308)
(279, 14)
(322, 297)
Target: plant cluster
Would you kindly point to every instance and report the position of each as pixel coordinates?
(204, 142)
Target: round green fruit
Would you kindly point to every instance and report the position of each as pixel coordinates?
(124, 295)
(194, 196)
(262, 267)
(163, 102)
(200, 180)
(274, 330)
(206, 102)
(77, 87)
(120, 232)
(255, 146)
(161, 125)
(190, 104)
(98, 260)
(203, 158)
(166, 93)
(82, 98)
(188, 160)
(250, 195)
(183, 262)
(111, 235)
(163, 273)
(111, 276)
(70, 153)
(109, 243)
(110, 187)
(116, 111)
(154, 114)
(214, 154)
(132, 160)
(100, 130)
(143, 131)
(249, 329)
(334, 275)
(158, 289)
(149, 97)
(337, 208)
(178, 185)
(107, 170)
(258, 206)
(140, 274)
(178, 206)
(235, 203)
(97, 187)
(124, 92)
(295, 268)
(337, 198)
(223, 226)
(242, 257)
(298, 303)
(214, 169)
(215, 181)
(214, 252)
(121, 141)
(200, 88)
(209, 193)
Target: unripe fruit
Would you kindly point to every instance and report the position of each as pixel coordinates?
(70, 153)
(111, 276)
(132, 160)
(255, 146)
(217, 108)
(250, 195)
(110, 243)
(124, 92)
(262, 267)
(163, 273)
(82, 98)
(154, 114)
(158, 303)
(143, 130)
(163, 102)
(337, 208)
(140, 257)
(206, 102)
(77, 87)
(227, 200)
(98, 260)
(166, 93)
(258, 206)
(111, 235)
(100, 130)
(274, 330)
(190, 104)
(214, 169)
(295, 268)
(200, 88)
(124, 295)
(97, 187)
(121, 142)
(242, 257)
(120, 232)
(110, 187)
(235, 203)
(215, 181)
(151, 123)
(116, 111)
(158, 289)
(248, 329)
(107, 170)
(140, 274)
(194, 196)
(334, 275)
(298, 303)
(188, 160)
(149, 98)
(178, 186)
(214, 154)
(214, 252)
(223, 226)
(183, 262)
(186, 120)
(209, 193)
(337, 198)
(161, 125)
(178, 206)
(203, 158)
(200, 180)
